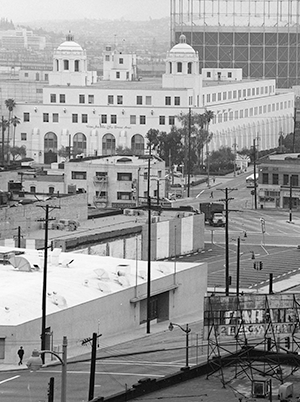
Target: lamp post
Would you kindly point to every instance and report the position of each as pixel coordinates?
(35, 363)
(186, 330)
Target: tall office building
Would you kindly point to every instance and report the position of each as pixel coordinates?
(261, 37)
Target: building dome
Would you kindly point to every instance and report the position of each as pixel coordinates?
(69, 45)
(182, 47)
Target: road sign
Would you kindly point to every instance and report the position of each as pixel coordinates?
(263, 225)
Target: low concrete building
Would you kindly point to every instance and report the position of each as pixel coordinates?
(87, 294)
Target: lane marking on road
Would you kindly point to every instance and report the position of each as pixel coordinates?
(107, 373)
(9, 379)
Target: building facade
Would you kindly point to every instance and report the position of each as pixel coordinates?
(279, 182)
(261, 37)
(95, 118)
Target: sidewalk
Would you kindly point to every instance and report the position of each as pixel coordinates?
(128, 343)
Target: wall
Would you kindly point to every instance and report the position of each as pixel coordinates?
(28, 217)
(111, 315)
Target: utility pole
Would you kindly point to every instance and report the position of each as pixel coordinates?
(93, 367)
(254, 172)
(44, 297)
(189, 154)
(3, 141)
(226, 201)
(149, 245)
(291, 199)
(238, 266)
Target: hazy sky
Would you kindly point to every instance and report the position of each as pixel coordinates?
(30, 10)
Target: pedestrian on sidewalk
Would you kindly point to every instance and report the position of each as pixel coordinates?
(21, 354)
(211, 194)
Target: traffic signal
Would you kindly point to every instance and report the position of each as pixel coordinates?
(287, 342)
(252, 255)
(260, 265)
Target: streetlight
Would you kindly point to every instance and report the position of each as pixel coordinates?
(35, 363)
(187, 330)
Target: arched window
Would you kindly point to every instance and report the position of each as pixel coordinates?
(66, 64)
(137, 144)
(79, 144)
(179, 67)
(50, 148)
(108, 144)
(76, 65)
(189, 68)
(57, 65)
(170, 67)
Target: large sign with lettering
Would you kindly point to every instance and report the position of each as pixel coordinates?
(251, 315)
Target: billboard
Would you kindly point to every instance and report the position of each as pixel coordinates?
(252, 316)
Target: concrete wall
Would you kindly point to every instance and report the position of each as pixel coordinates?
(28, 217)
(110, 315)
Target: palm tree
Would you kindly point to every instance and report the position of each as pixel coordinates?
(15, 121)
(10, 104)
(3, 126)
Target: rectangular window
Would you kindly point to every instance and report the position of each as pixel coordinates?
(208, 74)
(78, 175)
(285, 179)
(52, 98)
(91, 99)
(239, 93)
(214, 97)
(230, 115)
(148, 100)
(74, 118)
(265, 178)
(124, 176)
(162, 120)
(246, 112)
(177, 101)
(172, 120)
(81, 99)
(117, 74)
(251, 111)
(125, 196)
(236, 114)
(107, 57)
(249, 92)
(234, 94)
(224, 95)
(244, 93)
(255, 111)
(39, 90)
(121, 60)
(23, 136)
(84, 118)
(26, 116)
(261, 90)
(208, 98)
(142, 119)
(295, 180)
(229, 74)
(104, 118)
(265, 109)
(62, 98)
(269, 108)
(120, 100)
(275, 178)
(132, 119)
(110, 99)
(139, 100)
(253, 91)
(241, 114)
(66, 64)
(168, 100)
(229, 95)
(55, 117)
(46, 117)
(219, 96)
(257, 91)
(113, 119)
(260, 110)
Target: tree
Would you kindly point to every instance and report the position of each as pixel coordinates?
(18, 151)
(222, 160)
(10, 104)
(3, 126)
(153, 138)
(15, 121)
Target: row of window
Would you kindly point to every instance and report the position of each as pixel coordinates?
(61, 98)
(104, 118)
(274, 179)
(253, 111)
(238, 94)
(114, 99)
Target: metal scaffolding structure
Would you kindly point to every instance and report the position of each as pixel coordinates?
(257, 334)
(262, 37)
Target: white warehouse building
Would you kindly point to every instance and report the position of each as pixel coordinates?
(95, 117)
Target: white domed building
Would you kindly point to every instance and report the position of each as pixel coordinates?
(92, 117)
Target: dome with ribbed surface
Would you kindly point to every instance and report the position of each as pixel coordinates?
(69, 45)
(182, 46)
